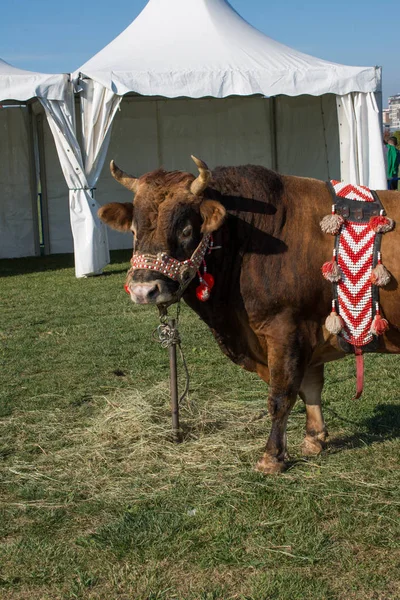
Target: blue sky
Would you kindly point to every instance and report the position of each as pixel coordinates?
(42, 35)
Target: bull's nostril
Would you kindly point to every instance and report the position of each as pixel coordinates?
(153, 292)
(145, 293)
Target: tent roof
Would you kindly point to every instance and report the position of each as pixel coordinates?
(18, 84)
(197, 48)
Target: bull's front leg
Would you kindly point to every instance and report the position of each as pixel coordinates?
(286, 368)
(310, 392)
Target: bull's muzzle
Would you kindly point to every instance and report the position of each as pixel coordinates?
(151, 291)
(167, 278)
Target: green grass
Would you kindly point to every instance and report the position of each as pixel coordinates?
(96, 501)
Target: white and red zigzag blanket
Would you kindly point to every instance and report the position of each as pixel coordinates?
(355, 259)
(357, 221)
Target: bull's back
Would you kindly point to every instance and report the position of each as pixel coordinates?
(390, 294)
(315, 203)
(308, 201)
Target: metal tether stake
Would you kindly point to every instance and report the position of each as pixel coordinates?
(168, 337)
(174, 385)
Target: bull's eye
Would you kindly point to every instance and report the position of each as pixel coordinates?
(187, 231)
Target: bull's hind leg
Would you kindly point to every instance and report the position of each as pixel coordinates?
(286, 375)
(310, 393)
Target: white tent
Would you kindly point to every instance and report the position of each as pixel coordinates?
(198, 48)
(18, 189)
(21, 85)
(198, 79)
(202, 49)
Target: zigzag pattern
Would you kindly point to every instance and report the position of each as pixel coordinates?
(353, 192)
(355, 260)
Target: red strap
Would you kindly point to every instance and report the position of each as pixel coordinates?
(360, 371)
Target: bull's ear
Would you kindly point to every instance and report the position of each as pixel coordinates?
(213, 214)
(117, 215)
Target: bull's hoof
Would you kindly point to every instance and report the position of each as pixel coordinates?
(268, 465)
(314, 445)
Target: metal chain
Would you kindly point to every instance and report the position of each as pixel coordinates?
(167, 335)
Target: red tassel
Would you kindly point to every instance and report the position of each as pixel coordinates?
(381, 224)
(208, 280)
(203, 292)
(379, 324)
(126, 288)
(330, 270)
(332, 223)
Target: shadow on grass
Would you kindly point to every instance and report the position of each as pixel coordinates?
(113, 272)
(55, 262)
(382, 426)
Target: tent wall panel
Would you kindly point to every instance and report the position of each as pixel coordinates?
(134, 147)
(17, 222)
(307, 136)
(231, 131)
(148, 133)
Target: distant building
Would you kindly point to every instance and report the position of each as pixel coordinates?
(386, 117)
(386, 122)
(394, 112)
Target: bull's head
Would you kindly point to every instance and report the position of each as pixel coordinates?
(171, 219)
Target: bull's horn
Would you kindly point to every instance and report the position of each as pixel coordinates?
(201, 182)
(131, 183)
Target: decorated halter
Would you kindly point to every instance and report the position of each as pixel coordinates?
(181, 271)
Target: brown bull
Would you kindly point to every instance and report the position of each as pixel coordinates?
(269, 302)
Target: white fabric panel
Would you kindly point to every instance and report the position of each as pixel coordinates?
(198, 48)
(18, 84)
(231, 131)
(89, 233)
(134, 147)
(307, 137)
(98, 108)
(61, 240)
(82, 208)
(16, 220)
(361, 148)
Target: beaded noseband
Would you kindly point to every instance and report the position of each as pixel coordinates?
(181, 271)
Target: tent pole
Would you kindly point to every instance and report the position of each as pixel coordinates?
(274, 144)
(33, 182)
(158, 127)
(325, 137)
(43, 184)
(379, 102)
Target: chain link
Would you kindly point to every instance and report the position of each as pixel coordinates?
(167, 335)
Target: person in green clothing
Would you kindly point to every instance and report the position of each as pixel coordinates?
(393, 161)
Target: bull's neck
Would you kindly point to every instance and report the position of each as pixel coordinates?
(252, 231)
